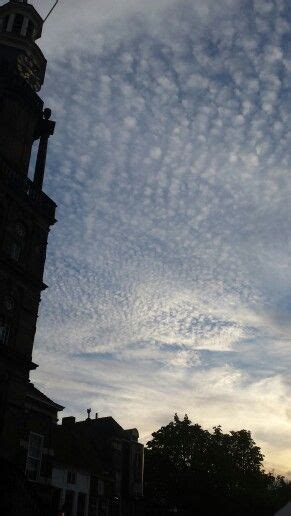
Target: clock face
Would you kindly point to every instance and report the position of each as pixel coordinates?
(29, 71)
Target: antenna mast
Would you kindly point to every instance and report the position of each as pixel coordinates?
(55, 4)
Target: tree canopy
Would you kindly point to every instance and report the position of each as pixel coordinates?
(189, 470)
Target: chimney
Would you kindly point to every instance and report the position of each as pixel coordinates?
(89, 413)
(68, 421)
(96, 415)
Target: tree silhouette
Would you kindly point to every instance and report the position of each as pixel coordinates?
(189, 470)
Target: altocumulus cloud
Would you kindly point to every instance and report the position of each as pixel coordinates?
(169, 268)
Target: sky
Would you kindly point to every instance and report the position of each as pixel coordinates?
(169, 268)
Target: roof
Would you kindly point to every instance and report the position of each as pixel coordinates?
(101, 424)
(23, 7)
(37, 395)
(101, 431)
(104, 429)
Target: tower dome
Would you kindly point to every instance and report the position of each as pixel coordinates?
(20, 27)
(19, 18)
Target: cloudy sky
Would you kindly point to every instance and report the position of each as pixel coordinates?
(169, 268)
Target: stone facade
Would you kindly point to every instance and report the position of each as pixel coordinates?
(26, 214)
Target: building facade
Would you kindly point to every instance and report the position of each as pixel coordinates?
(26, 214)
(110, 457)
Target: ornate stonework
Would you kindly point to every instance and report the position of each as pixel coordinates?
(26, 213)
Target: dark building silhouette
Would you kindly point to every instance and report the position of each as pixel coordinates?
(102, 462)
(41, 463)
(26, 214)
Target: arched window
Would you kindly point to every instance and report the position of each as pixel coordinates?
(4, 23)
(4, 330)
(30, 29)
(18, 242)
(17, 24)
(15, 250)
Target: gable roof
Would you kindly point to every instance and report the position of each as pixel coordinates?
(35, 394)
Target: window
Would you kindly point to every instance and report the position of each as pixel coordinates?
(6, 20)
(100, 488)
(117, 445)
(103, 511)
(117, 482)
(15, 250)
(34, 455)
(94, 485)
(4, 330)
(17, 24)
(81, 504)
(18, 242)
(3, 24)
(71, 477)
(69, 503)
(30, 29)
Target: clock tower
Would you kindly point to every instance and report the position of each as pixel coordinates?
(26, 214)
(22, 68)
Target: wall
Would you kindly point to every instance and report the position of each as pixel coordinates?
(82, 485)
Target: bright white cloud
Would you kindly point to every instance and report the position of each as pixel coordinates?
(169, 266)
